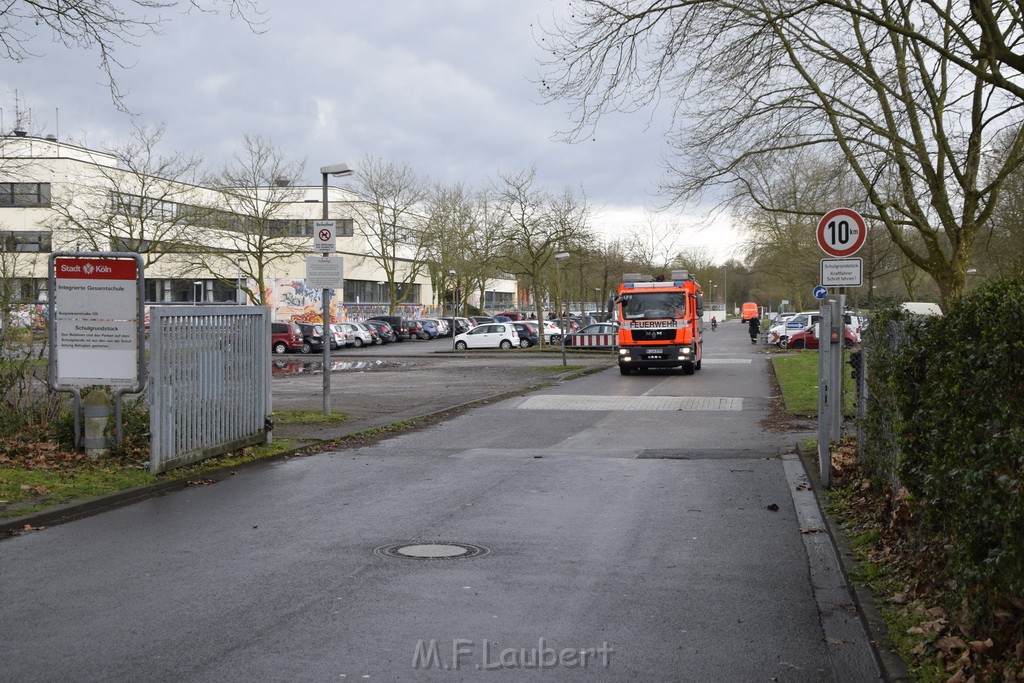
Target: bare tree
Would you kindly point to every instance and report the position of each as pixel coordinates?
(653, 245)
(249, 232)
(102, 25)
(391, 218)
(536, 226)
(751, 80)
(137, 206)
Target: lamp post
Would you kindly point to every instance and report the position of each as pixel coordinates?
(336, 170)
(455, 304)
(561, 305)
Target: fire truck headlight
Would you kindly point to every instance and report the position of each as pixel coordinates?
(623, 352)
(685, 352)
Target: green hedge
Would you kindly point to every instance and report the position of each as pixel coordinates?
(947, 394)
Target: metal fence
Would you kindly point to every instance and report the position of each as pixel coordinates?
(209, 386)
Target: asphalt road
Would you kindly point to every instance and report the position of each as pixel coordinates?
(629, 528)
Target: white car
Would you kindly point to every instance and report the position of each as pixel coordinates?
(488, 336)
(357, 335)
(340, 339)
(552, 333)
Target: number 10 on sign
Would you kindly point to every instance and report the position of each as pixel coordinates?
(841, 232)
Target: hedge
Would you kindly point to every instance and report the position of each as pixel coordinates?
(946, 421)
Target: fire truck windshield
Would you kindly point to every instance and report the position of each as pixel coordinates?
(653, 305)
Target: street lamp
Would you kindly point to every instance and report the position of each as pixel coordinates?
(559, 257)
(336, 170)
(455, 304)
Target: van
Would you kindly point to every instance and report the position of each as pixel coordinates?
(921, 308)
(748, 311)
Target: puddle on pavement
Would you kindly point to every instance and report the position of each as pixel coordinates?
(300, 367)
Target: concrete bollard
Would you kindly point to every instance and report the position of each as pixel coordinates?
(96, 411)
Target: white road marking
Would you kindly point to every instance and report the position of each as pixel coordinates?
(632, 403)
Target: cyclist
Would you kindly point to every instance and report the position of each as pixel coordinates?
(714, 323)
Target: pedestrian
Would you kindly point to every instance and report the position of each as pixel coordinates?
(754, 326)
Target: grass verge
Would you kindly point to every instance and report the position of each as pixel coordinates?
(797, 372)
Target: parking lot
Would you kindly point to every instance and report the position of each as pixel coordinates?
(383, 384)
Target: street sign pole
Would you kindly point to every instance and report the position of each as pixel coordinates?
(324, 241)
(825, 398)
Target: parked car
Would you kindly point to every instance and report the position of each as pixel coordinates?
(356, 335)
(340, 338)
(488, 336)
(285, 337)
(313, 338)
(385, 335)
(502, 319)
(374, 335)
(463, 325)
(782, 330)
(481, 319)
(416, 330)
(585, 337)
(552, 332)
(443, 325)
(514, 316)
(429, 328)
(528, 334)
(809, 339)
(397, 323)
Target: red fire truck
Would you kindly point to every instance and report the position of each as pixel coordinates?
(659, 322)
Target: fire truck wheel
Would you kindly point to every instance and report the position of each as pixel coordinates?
(697, 366)
(688, 368)
(623, 370)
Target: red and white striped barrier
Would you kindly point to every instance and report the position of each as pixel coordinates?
(584, 340)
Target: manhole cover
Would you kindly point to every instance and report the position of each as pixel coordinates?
(438, 550)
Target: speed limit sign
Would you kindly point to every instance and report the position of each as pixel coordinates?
(841, 232)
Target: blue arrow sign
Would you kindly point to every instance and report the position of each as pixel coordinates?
(820, 292)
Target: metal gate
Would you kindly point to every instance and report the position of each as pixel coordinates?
(209, 386)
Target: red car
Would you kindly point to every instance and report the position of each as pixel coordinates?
(807, 339)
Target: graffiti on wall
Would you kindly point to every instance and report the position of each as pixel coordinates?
(289, 299)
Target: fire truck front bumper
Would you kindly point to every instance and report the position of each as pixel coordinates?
(655, 356)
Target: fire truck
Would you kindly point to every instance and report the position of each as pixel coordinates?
(659, 322)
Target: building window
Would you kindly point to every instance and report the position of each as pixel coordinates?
(24, 194)
(17, 240)
(23, 290)
(136, 206)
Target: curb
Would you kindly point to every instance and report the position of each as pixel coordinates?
(70, 512)
(889, 662)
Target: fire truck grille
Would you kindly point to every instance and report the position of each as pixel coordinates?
(654, 335)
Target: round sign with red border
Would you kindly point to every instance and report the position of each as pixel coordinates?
(841, 232)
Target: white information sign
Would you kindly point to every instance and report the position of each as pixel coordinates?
(325, 272)
(324, 236)
(842, 272)
(96, 319)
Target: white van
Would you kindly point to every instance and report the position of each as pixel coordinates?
(921, 308)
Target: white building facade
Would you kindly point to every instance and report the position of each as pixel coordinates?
(200, 244)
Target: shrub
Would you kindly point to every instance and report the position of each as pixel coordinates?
(948, 396)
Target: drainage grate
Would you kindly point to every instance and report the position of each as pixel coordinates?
(433, 550)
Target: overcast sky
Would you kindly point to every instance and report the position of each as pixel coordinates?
(447, 86)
